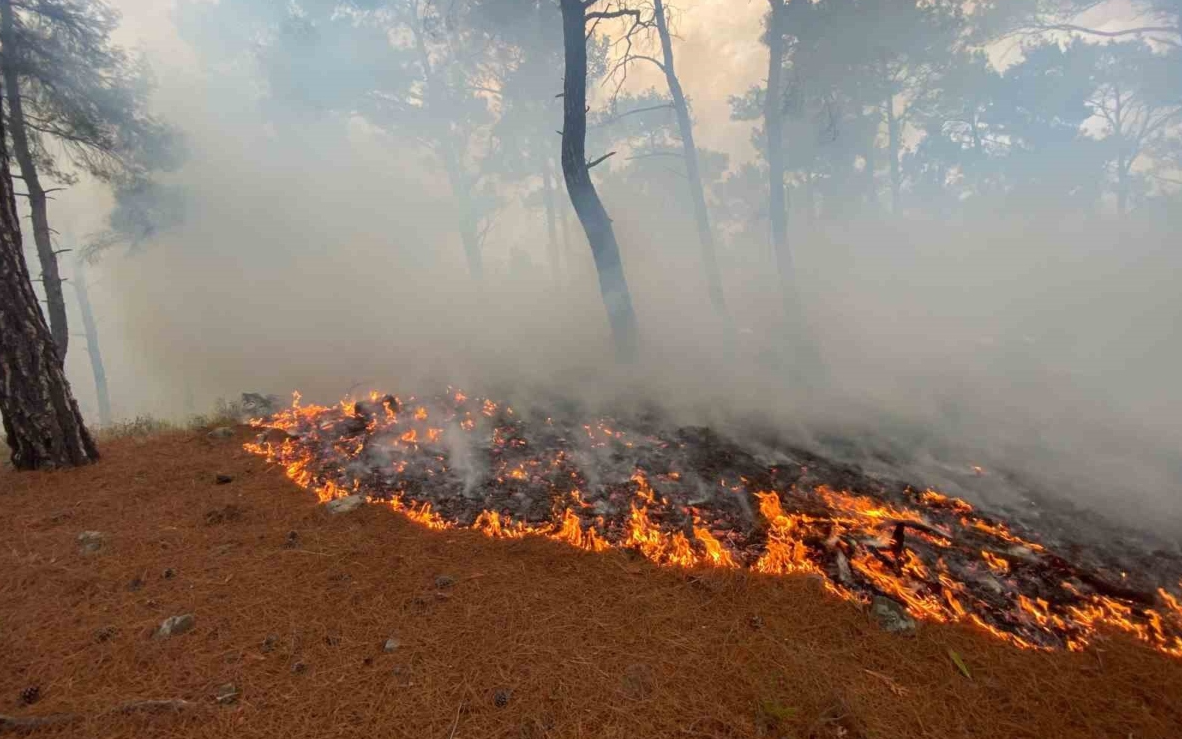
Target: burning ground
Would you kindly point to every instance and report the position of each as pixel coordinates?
(686, 497)
(533, 639)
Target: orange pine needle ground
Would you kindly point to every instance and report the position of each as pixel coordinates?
(590, 645)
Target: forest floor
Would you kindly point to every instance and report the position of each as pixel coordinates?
(522, 639)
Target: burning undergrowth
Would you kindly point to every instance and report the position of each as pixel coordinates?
(687, 497)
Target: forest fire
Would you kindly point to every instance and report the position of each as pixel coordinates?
(686, 498)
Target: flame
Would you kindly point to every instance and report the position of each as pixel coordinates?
(876, 546)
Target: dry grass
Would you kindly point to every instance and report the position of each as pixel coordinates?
(589, 645)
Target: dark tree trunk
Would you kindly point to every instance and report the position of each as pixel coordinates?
(598, 226)
(92, 344)
(773, 123)
(893, 152)
(551, 220)
(693, 171)
(41, 418)
(51, 279)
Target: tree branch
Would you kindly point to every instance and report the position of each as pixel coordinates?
(601, 159)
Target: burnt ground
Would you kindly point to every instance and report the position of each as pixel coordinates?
(521, 638)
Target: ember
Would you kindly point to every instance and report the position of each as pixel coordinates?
(609, 484)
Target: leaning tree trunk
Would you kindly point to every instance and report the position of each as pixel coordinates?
(551, 220)
(51, 279)
(605, 250)
(690, 152)
(41, 417)
(92, 343)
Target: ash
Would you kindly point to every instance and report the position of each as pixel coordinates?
(689, 497)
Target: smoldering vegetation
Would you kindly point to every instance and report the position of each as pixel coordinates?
(1034, 337)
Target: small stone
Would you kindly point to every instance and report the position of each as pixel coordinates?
(444, 581)
(391, 645)
(135, 584)
(344, 505)
(91, 541)
(368, 661)
(104, 634)
(269, 642)
(169, 573)
(227, 694)
(440, 595)
(501, 697)
(299, 667)
(292, 540)
(755, 621)
(175, 625)
(892, 616)
(221, 479)
(221, 432)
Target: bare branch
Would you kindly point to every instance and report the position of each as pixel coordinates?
(609, 14)
(601, 159)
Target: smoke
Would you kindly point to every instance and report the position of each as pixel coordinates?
(321, 254)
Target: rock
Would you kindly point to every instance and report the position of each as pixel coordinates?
(269, 642)
(175, 625)
(227, 694)
(344, 505)
(223, 479)
(274, 437)
(444, 581)
(299, 667)
(292, 540)
(844, 575)
(169, 573)
(501, 697)
(91, 541)
(104, 634)
(391, 645)
(892, 616)
(135, 584)
(221, 432)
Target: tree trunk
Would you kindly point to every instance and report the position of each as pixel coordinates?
(605, 250)
(462, 193)
(41, 417)
(1122, 167)
(92, 344)
(773, 124)
(551, 220)
(460, 187)
(893, 152)
(51, 279)
(693, 171)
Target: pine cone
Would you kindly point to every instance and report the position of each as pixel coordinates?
(30, 695)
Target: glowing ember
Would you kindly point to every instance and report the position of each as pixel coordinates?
(603, 485)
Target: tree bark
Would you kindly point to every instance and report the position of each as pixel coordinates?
(605, 250)
(92, 344)
(41, 418)
(773, 124)
(551, 220)
(51, 279)
(693, 171)
(893, 151)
